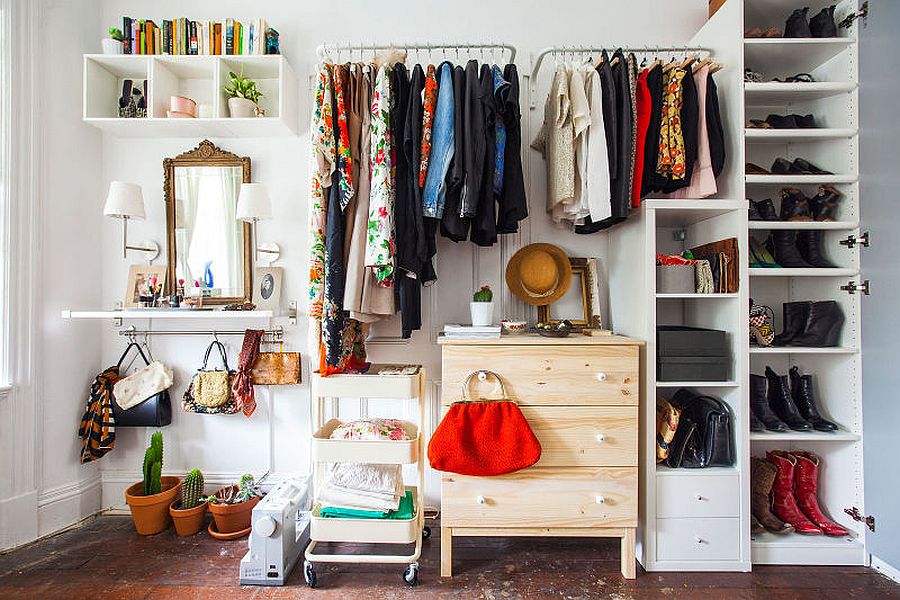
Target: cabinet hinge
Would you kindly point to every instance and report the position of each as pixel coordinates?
(852, 287)
(854, 513)
(862, 13)
(852, 241)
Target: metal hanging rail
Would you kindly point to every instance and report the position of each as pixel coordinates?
(323, 50)
(555, 50)
(274, 335)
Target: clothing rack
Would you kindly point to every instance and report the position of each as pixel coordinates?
(324, 49)
(563, 50)
(274, 335)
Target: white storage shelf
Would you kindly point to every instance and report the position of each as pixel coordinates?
(770, 93)
(780, 136)
(382, 452)
(804, 436)
(201, 78)
(367, 531)
(800, 179)
(400, 387)
(167, 314)
(802, 272)
(800, 225)
(792, 55)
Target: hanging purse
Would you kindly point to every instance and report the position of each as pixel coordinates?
(276, 368)
(210, 390)
(150, 383)
(483, 436)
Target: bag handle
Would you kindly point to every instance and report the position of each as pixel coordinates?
(222, 353)
(128, 349)
(482, 375)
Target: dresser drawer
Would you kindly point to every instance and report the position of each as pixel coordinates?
(542, 497)
(585, 436)
(698, 539)
(546, 375)
(686, 495)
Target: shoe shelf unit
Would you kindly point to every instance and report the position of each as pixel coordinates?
(836, 371)
(201, 78)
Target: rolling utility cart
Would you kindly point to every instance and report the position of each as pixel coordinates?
(377, 384)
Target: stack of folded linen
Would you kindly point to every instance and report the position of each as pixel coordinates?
(363, 487)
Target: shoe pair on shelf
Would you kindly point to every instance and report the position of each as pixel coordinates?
(821, 25)
(790, 249)
(793, 121)
(811, 324)
(784, 495)
(783, 166)
(777, 406)
(795, 206)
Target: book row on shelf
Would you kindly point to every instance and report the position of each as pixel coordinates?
(185, 37)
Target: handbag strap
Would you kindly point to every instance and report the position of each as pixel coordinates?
(482, 375)
(127, 350)
(222, 353)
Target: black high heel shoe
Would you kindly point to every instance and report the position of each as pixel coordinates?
(797, 25)
(823, 326)
(822, 24)
(824, 204)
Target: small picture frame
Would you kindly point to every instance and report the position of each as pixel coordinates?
(581, 303)
(139, 277)
(267, 287)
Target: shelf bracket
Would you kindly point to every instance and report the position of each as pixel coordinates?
(292, 312)
(852, 241)
(852, 287)
(854, 513)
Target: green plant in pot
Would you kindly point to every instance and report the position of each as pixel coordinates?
(482, 307)
(189, 512)
(113, 43)
(232, 508)
(149, 499)
(243, 97)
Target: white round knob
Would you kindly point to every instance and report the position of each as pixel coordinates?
(482, 376)
(601, 438)
(698, 539)
(481, 500)
(265, 526)
(601, 500)
(601, 376)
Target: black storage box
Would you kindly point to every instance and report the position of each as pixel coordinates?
(691, 354)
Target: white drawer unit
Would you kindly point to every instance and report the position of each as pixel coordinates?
(698, 496)
(698, 539)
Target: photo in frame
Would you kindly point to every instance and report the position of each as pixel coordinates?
(139, 277)
(267, 287)
(581, 303)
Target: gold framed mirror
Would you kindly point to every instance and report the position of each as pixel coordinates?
(580, 304)
(205, 242)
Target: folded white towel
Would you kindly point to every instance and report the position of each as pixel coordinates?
(386, 479)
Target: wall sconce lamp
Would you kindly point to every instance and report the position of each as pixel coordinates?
(254, 206)
(126, 201)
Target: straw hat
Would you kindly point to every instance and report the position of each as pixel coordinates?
(539, 274)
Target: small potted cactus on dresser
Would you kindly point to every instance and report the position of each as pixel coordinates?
(232, 508)
(482, 307)
(189, 513)
(150, 498)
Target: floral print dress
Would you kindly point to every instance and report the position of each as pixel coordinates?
(428, 108)
(671, 160)
(380, 230)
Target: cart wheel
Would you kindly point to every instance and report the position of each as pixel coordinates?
(309, 573)
(426, 533)
(411, 574)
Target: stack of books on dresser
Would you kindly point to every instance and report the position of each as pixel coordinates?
(470, 332)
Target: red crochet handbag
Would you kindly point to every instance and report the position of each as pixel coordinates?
(483, 436)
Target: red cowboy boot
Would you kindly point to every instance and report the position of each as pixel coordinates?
(784, 504)
(806, 477)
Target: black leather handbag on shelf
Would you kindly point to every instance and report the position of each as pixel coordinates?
(155, 411)
(705, 434)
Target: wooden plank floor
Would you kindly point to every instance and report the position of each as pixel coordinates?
(105, 559)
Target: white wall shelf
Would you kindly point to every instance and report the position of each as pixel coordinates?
(796, 549)
(664, 296)
(803, 350)
(664, 471)
(681, 213)
(168, 314)
(696, 384)
(804, 436)
(793, 55)
(772, 93)
(802, 272)
(800, 179)
(782, 136)
(800, 225)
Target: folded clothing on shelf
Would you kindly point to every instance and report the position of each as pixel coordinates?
(371, 429)
(363, 487)
(405, 511)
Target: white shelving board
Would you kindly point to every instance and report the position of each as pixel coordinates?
(805, 225)
(810, 180)
(804, 436)
(772, 93)
(782, 136)
(167, 314)
(793, 55)
(803, 350)
(802, 272)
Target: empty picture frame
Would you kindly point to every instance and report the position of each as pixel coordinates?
(581, 303)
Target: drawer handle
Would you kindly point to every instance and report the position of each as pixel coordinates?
(601, 376)
(481, 500)
(699, 539)
(601, 500)
(699, 498)
(601, 438)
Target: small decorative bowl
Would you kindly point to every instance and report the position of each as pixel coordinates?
(183, 104)
(514, 327)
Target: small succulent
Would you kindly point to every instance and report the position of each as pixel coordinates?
(242, 88)
(116, 34)
(192, 489)
(245, 490)
(483, 295)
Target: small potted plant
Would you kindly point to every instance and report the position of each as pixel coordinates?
(232, 507)
(482, 307)
(189, 513)
(113, 43)
(149, 499)
(243, 97)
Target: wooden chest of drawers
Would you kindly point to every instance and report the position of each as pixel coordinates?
(580, 395)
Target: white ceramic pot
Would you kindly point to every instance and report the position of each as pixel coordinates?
(111, 46)
(241, 108)
(482, 313)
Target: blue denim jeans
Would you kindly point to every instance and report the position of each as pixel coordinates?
(442, 147)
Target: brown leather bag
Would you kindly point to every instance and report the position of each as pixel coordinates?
(276, 368)
(724, 259)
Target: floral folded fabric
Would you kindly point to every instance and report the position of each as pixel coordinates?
(371, 429)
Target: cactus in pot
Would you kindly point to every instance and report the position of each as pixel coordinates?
(189, 515)
(482, 307)
(192, 489)
(153, 458)
(149, 499)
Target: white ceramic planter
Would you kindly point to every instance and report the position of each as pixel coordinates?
(482, 313)
(241, 108)
(111, 46)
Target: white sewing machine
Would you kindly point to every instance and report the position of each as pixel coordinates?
(280, 533)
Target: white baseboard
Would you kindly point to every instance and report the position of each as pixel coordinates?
(885, 569)
(61, 506)
(18, 520)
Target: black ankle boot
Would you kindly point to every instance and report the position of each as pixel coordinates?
(794, 205)
(759, 406)
(822, 24)
(764, 210)
(783, 245)
(809, 243)
(823, 326)
(782, 403)
(793, 320)
(797, 25)
(755, 423)
(823, 205)
(802, 390)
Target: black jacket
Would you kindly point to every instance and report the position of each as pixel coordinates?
(513, 204)
(454, 226)
(484, 225)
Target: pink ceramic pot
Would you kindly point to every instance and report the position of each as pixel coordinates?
(183, 104)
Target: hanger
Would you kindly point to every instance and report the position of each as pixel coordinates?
(702, 64)
(687, 62)
(716, 67)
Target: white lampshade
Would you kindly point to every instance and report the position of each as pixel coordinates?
(125, 200)
(253, 203)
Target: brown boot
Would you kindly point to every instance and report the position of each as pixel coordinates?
(762, 476)
(756, 526)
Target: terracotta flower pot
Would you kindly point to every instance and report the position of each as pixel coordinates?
(151, 513)
(187, 521)
(233, 517)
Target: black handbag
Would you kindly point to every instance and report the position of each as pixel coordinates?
(155, 411)
(705, 434)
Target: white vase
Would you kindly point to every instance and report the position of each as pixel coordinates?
(241, 108)
(111, 46)
(482, 313)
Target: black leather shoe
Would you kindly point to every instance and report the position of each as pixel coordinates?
(822, 24)
(793, 321)
(823, 205)
(782, 121)
(782, 244)
(794, 205)
(763, 210)
(797, 25)
(809, 244)
(755, 423)
(781, 402)
(782, 166)
(759, 406)
(804, 399)
(823, 326)
(805, 167)
(805, 121)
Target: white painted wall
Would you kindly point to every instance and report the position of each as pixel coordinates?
(223, 446)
